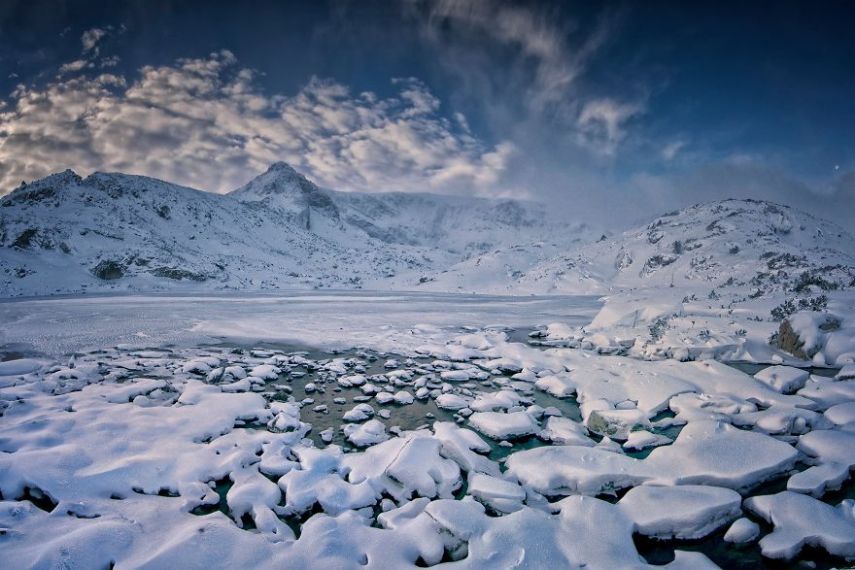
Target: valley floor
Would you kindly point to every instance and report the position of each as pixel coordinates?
(390, 430)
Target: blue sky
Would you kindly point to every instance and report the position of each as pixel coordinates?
(613, 110)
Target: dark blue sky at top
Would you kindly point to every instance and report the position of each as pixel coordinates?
(771, 80)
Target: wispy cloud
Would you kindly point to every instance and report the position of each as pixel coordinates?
(74, 66)
(205, 123)
(91, 37)
(601, 122)
(532, 33)
(91, 50)
(526, 64)
(672, 149)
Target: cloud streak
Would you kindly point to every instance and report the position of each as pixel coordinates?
(528, 65)
(205, 123)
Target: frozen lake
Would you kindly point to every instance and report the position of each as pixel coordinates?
(345, 429)
(379, 320)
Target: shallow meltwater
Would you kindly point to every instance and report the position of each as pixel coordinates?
(325, 401)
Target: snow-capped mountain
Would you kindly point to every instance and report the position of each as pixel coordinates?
(113, 231)
(755, 245)
(65, 233)
(291, 194)
(457, 224)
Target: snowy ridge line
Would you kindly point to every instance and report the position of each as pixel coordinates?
(118, 232)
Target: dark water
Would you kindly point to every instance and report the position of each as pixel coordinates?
(14, 351)
(752, 368)
(422, 413)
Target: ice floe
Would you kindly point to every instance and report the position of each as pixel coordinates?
(801, 521)
(683, 511)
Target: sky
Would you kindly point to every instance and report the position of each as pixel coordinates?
(610, 111)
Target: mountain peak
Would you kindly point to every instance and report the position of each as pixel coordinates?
(280, 178)
(43, 188)
(283, 167)
(67, 176)
(283, 187)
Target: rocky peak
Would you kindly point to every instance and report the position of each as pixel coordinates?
(281, 186)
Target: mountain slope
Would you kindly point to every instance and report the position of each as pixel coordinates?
(457, 224)
(119, 232)
(113, 231)
(754, 245)
(290, 193)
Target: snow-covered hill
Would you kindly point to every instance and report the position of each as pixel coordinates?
(117, 232)
(64, 234)
(754, 246)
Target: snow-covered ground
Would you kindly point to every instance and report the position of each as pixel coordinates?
(185, 432)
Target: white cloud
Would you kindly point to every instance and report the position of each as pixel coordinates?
(601, 122)
(111, 61)
(204, 123)
(672, 149)
(74, 66)
(524, 64)
(91, 37)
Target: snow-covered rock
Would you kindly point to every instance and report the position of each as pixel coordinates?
(365, 434)
(499, 494)
(742, 531)
(565, 431)
(816, 480)
(566, 470)
(504, 425)
(785, 379)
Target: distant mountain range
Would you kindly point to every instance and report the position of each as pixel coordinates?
(119, 232)
(756, 246)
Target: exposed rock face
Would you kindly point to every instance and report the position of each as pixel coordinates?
(178, 274)
(789, 341)
(108, 270)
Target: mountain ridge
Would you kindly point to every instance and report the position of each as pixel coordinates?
(121, 232)
(757, 245)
